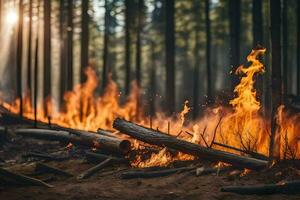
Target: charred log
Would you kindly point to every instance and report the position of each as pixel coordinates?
(153, 174)
(78, 137)
(286, 187)
(43, 168)
(157, 138)
(19, 179)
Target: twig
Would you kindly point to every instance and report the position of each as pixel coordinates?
(215, 132)
(88, 173)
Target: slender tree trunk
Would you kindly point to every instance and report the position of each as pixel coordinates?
(152, 79)
(197, 14)
(47, 51)
(105, 46)
(285, 49)
(29, 58)
(298, 48)
(208, 45)
(70, 46)
(127, 46)
(170, 56)
(234, 26)
(276, 95)
(19, 57)
(84, 37)
(63, 63)
(138, 42)
(257, 33)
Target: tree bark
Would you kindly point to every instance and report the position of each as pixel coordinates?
(138, 41)
(197, 14)
(276, 89)
(78, 137)
(285, 50)
(234, 28)
(298, 48)
(106, 69)
(157, 138)
(69, 46)
(29, 57)
(127, 46)
(63, 67)
(19, 56)
(208, 47)
(47, 51)
(84, 37)
(170, 56)
(152, 79)
(286, 187)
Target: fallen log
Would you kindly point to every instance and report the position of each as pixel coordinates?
(251, 153)
(157, 138)
(45, 156)
(43, 168)
(154, 173)
(106, 133)
(81, 138)
(285, 187)
(88, 173)
(21, 179)
(97, 157)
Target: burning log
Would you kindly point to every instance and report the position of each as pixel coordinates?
(21, 179)
(106, 133)
(157, 138)
(285, 187)
(43, 168)
(78, 137)
(88, 173)
(251, 153)
(153, 173)
(101, 157)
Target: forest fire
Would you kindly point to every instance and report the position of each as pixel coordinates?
(241, 126)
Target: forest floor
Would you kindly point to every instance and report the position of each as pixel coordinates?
(107, 184)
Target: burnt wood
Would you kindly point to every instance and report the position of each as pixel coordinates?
(97, 157)
(88, 173)
(20, 179)
(160, 139)
(43, 168)
(153, 173)
(78, 137)
(285, 187)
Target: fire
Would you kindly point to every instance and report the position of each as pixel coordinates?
(241, 125)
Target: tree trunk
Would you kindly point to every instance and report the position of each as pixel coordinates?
(208, 45)
(285, 50)
(298, 48)
(127, 46)
(157, 138)
(106, 69)
(84, 37)
(47, 51)
(19, 57)
(69, 55)
(63, 67)
(138, 42)
(152, 79)
(197, 14)
(234, 28)
(29, 58)
(276, 95)
(170, 56)
(257, 33)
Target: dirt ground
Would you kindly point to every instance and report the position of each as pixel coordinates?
(107, 184)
